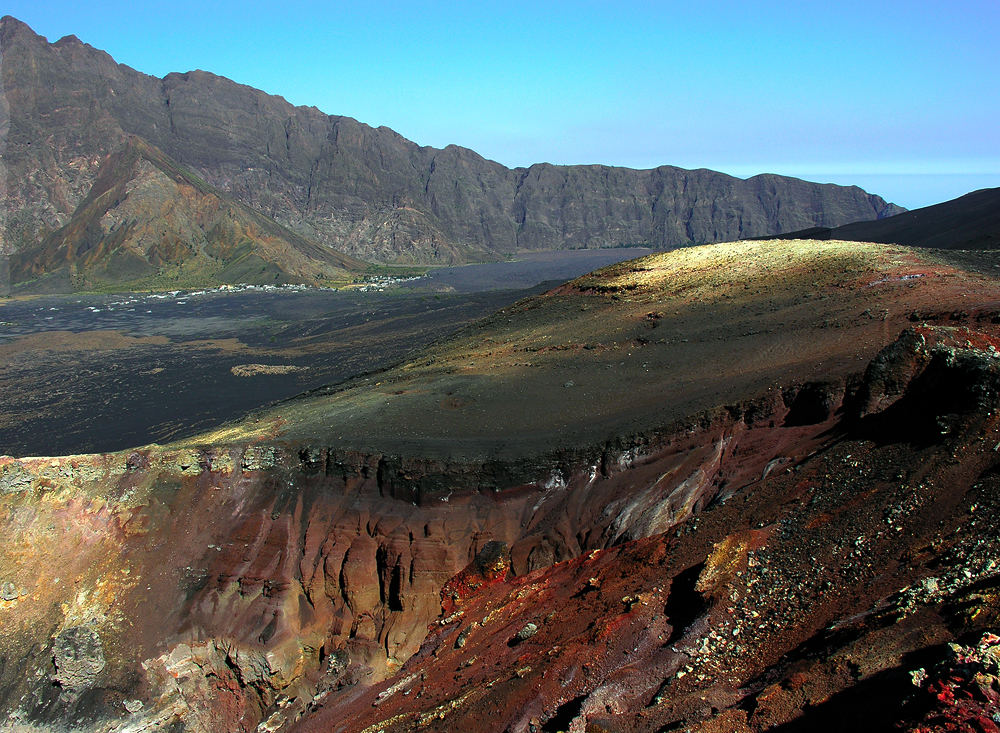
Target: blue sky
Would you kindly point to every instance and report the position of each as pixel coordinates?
(900, 98)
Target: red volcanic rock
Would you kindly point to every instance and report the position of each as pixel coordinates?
(290, 574)
(962, 692)
(802, 600)
(491, 565)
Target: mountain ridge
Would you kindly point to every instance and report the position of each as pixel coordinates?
(366, 191)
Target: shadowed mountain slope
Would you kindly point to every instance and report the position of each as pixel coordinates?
(968, 222)
(148, 223)
(363, 190)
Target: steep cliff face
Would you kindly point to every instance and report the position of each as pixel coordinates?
(280, 574)
(362, 190)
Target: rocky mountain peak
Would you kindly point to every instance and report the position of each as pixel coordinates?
(70, 40)
(11, 28)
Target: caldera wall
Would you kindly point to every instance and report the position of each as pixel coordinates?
(227, 585)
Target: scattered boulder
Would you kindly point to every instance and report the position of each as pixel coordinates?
(526, 632)
(812, 403)
(491, 565)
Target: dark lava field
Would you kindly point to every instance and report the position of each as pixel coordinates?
(81, 374)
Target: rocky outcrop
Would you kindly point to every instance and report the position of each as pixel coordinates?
(78, 657)
(362, 190)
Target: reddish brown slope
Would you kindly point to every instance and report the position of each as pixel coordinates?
(801, 603)
(305, 562)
